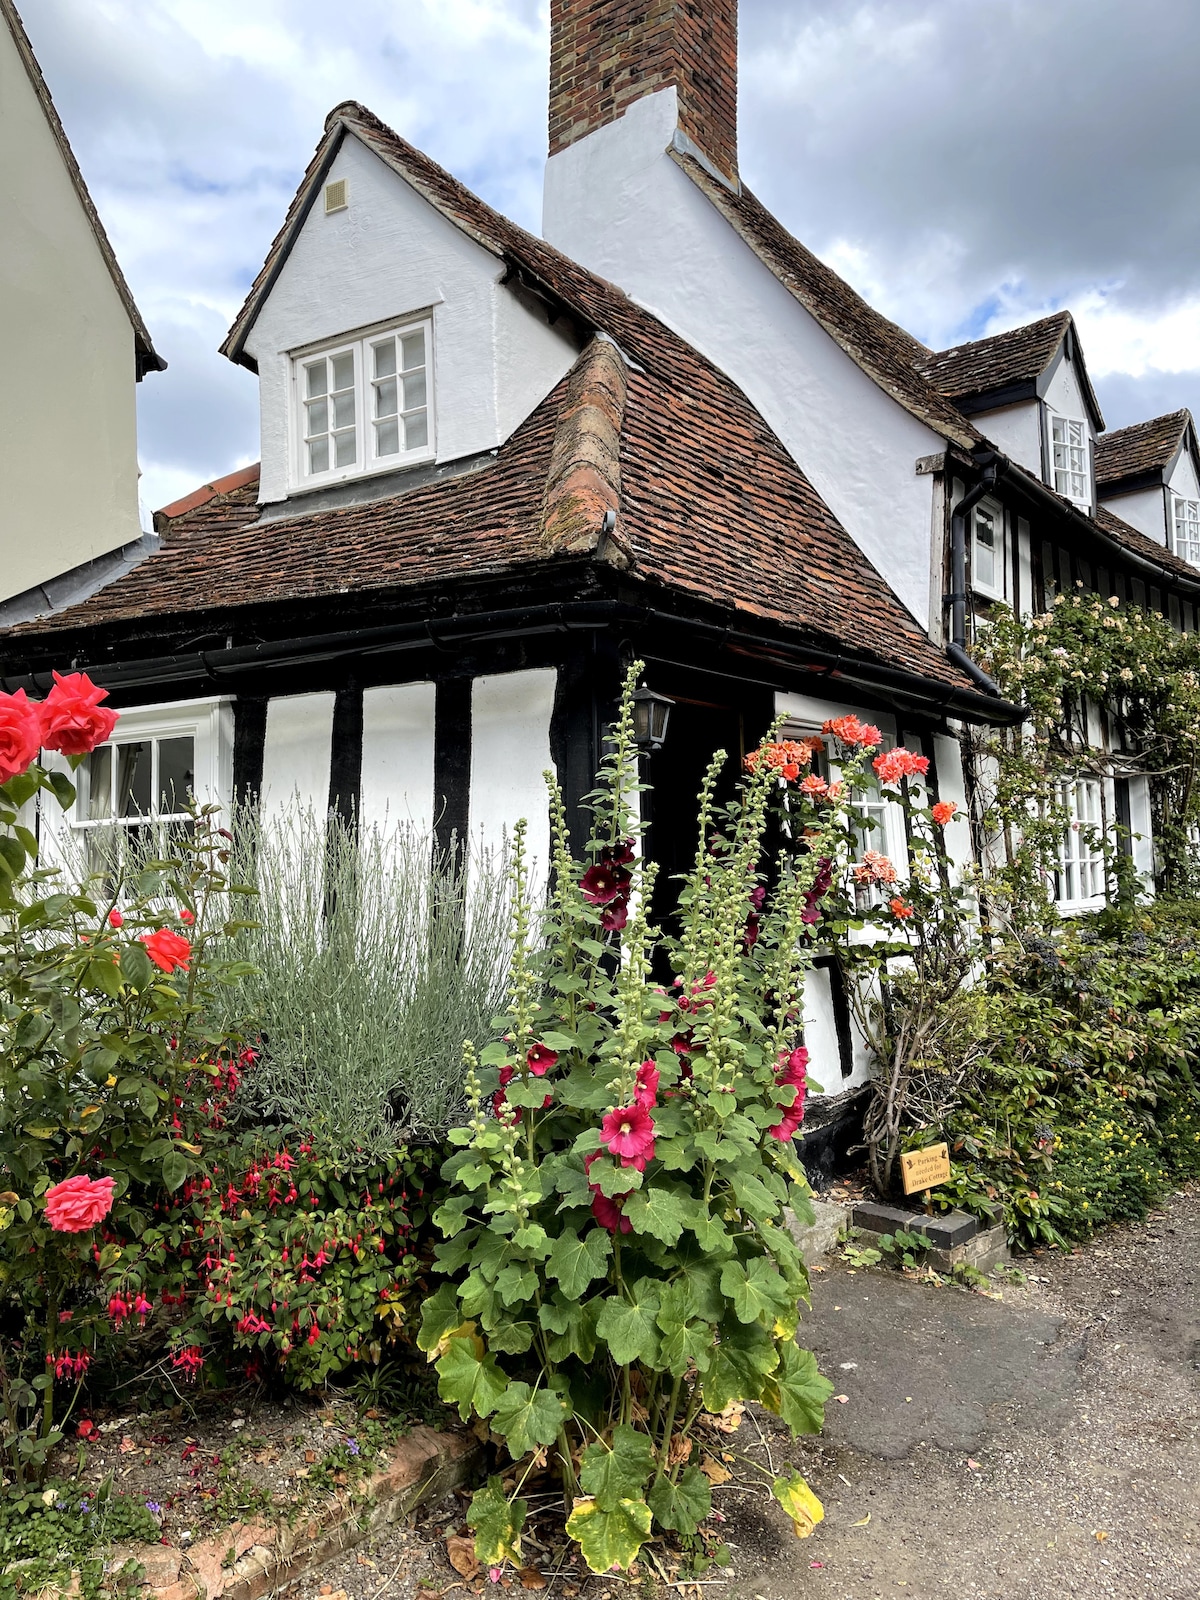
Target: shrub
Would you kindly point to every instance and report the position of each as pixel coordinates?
(615, 1224)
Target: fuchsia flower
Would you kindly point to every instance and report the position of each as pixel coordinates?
(188, 1360)
(628, 1132)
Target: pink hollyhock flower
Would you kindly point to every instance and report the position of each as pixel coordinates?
(608, 1213)
(167, 950)
(646, 1092)
(793, 1067)
(893, 765)
(628, 1132)
(682, 1044)
(603, 882)
(540, 1058)
(78, 1203)
(20, 733)
(900, 908)
(943, 811)
(73, 720)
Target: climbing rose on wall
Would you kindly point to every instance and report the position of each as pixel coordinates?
(167, 950)
(893, 765)
(79, 1203)
(73, 720)
(20, 733)
(874, 868)
(943, 811)
(851, 731)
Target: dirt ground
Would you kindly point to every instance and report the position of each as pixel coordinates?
(1043, 1446)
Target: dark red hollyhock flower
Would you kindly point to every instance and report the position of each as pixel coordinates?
(608, 1213)
(614, 917)
(604, 881)
(757, 895)
(820, 888)
(540, 1059)
(750, 935)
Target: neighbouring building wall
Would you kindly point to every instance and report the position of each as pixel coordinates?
(1064, 397)
(68, 440)
(616, 202)
(389, 254)
(1017, 430)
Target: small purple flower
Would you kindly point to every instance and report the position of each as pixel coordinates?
(153, 1507)
(352, 1446)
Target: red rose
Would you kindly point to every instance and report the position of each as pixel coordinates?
(20, 733)
(115, 919)
(167, 950)
(73, 719)
(78, 1204)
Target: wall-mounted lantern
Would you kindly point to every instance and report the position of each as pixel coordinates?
(651, 714)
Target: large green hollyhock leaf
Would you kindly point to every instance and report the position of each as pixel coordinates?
(796, 1391)
(496, 1523)
(627, 1325)
(744, 1355)
(467, 1381)
(620, 1473)
(575, 1262)
(658, 1212)
(571, 1329)
(439, 1315)
(757, 1293)
(526, 1417)
(684, 1505)
(613, 1538)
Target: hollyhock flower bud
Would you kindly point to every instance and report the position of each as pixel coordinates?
(73, 720)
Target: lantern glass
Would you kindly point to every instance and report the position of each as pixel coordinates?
(651, 715)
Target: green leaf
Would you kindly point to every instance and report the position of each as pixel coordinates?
(516, 1283)
(440, 1315)
(453, 1217)
(757, 1295)
(12, 856)
(619, 1473)
(104, 975)
(796, 1391)
(526, 1417)
(658, 1212)
(174, 1170)
(613, 1538)
(468, 1382)
(576, 1262)
(611, 1180)
(627, 1326)
(496, 1522)
(136, 967)
(681, 1506)
(528, 1094)
(741, 1361)
(23, 787)
(710, 1231)
(752, 1195)
(798, 1500)
(511, 1338)
(571, 1329)
(64, 789)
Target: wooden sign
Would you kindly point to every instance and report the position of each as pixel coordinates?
(922, 1169)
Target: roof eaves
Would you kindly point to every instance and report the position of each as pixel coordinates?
(147, 359)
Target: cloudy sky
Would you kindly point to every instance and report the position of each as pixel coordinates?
(967, 164)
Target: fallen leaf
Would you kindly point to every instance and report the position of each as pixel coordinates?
(842, 1399)
(862, 1521)
(126, 1445)
(365, 1561)
(974, 1465)
(570, 1591)
(681, 1450)
(729, 1420)
(1101, 1535)
(461, 1554)
(531, 1578)
(325, 1588)
(714, 1471)
(310, 1456)
(429, 1594)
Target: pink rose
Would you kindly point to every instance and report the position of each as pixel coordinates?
(73, 720)
(78, 1204)
(20, 733)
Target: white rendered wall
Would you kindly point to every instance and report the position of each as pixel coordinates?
(1017, 430)
(1143, 510)
(1064, 397)
(1183, 480)
(616, 202)
(948, 764)
(1025, 567)
(388, 254)
(397, 757)
(296, 753)
(510, 750)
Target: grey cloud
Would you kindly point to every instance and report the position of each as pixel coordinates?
(1124, 399)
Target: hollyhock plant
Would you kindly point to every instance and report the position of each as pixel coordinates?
(167, 950)
(20, 734)
(539, 1059)
(646, 1091)
(78, 1203)
(73, 720)
(628, 1132)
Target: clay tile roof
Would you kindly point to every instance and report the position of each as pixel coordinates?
(211, 491)
(1019, 356)
(1143, 447)
(1140, 545)
(147, 358)
(889, 355)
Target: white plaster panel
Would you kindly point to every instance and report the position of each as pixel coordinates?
(387, 254)
(948, 764)
(1017, 431)
(397, 756)
(1142, 828)
(1024, 567)
(510, 750)
(1144, 511)
(296, 753)
(812, 712)
(1183, 479)
(617, 203)
(1064, 393)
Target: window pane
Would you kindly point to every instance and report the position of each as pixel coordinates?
(97, 785)
(176, 773)
(318, 456)
(385, 398)
(414, 391)
(412, 347)
(344, 453)
(416, 431)
(318, 417)
(387, 438)
(315, 375)
(133, 779)
(385, 359)
(343, 410)
(985, 549)
(343, 370)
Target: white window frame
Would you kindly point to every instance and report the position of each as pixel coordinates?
(1080, 880)
(367, 461)
(1062, 477)
(996, 588)
(1185, 528)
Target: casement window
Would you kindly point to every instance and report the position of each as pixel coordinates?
(1069, 459)
(365, 405)
(987, 551)
(878, 821)
(1079, 881)
(1186, 529)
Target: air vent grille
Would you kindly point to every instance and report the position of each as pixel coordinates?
(335, 196)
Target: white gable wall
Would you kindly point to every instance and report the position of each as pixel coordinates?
(616, 202)
(1183, 480)
(1143, 511)
(1017, 431)
(388, 254)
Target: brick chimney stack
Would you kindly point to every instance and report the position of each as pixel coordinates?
(605, 54)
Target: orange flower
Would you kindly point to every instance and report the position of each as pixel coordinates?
(785, 756)
(899, 763)
(943, 811)
(874, 868)
(851, 731)
(814, 787)
(900, 908)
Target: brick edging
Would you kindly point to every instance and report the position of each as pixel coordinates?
(267, 1557)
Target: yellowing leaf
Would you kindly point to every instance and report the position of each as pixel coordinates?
(798, 1500)
(862, 1521)
(610, 1538)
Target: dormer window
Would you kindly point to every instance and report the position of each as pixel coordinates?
(363, 405)
(1186, 529)
(1069, 448)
